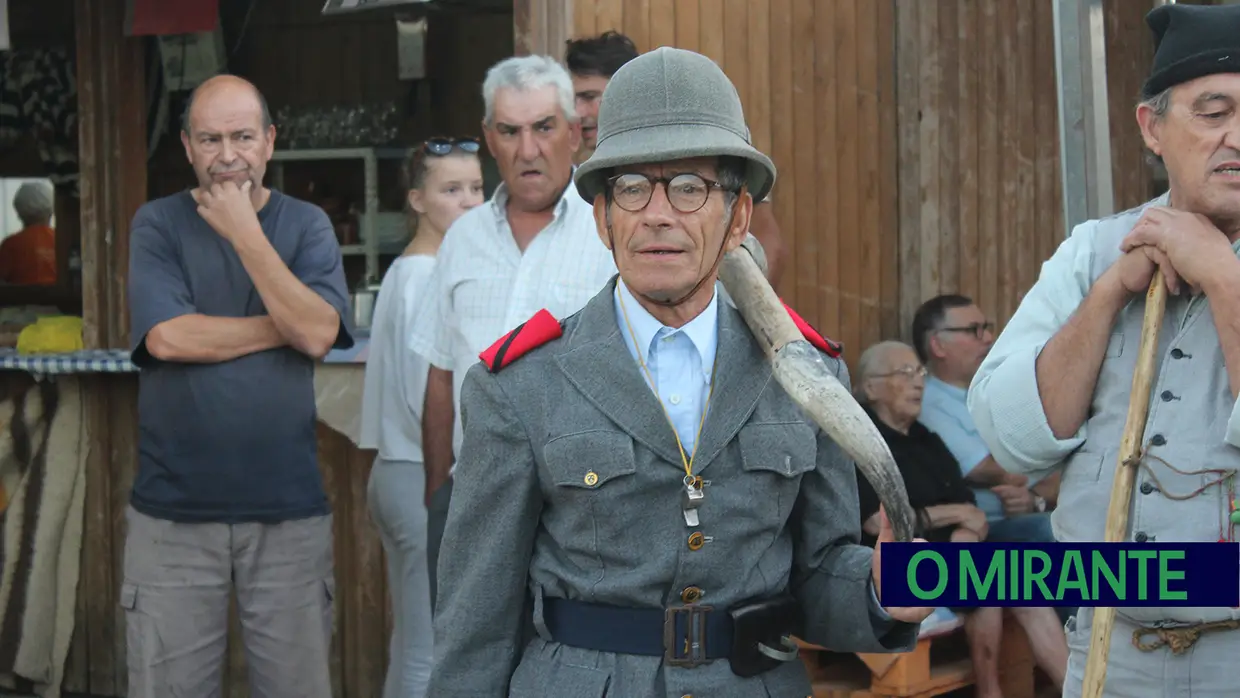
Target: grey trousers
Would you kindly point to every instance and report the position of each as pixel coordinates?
(394, 495)
(178, 579)
(1204, 671)
(436, 517)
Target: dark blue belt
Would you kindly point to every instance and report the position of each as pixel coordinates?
(683, 635)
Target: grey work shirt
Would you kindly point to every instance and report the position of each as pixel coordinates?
(232, 441)
(569, 486)
(1193, 421)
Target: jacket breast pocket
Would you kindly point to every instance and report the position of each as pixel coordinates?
(773, 459)
(589, 474)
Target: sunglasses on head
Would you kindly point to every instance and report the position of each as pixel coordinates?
(442, 145)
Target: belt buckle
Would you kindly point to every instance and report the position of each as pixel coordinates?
(694, 639)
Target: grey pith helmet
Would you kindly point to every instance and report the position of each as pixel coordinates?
(671, 104)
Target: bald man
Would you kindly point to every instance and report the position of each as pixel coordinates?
(235, 291)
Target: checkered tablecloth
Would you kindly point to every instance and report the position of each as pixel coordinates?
(92, 361)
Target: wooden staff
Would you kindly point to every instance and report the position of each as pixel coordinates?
(1130, 451)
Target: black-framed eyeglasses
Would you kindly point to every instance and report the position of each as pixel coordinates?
(687, 192)
(443, 145)
(906, 371)
(977, 329)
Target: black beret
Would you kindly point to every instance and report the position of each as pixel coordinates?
(1192, 41)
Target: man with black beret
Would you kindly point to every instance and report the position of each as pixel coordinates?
(1054, 390)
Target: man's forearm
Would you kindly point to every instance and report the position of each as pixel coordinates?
(1067, 367)
(438, 420)
(206, 339)
(302, 316)
(1224, 298)
(988, 473)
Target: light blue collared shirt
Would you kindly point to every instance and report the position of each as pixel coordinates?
(679, 360)
(945, 411)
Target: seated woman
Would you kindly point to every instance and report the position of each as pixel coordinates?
(889, 385)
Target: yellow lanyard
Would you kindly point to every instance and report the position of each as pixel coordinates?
(686, 460)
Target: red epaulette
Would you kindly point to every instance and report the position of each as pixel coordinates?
(531, 334)
(832, 349)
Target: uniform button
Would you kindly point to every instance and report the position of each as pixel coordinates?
(591, 479)
(1177, 354)
(1146, 488)
(1158, 440)
(1167, 396)
(691, 595)
(675, 399)
(696, 541)
(1140, 537)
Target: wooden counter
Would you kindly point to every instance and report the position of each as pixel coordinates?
(106, 387)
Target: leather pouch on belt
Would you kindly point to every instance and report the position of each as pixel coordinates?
(762, 634)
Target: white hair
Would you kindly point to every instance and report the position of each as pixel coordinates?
(873, 361)
(524, 73)
(34, 202)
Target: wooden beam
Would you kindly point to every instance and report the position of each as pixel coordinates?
(111, 70)
(542, 27)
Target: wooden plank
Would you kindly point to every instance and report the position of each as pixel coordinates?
(1025, 171)
(662, 23)
(849, 227)
(968, 33)
(584, 18)
(758, 77)
(1007, 236)
(950, 135)
(989, 157)
(710, 30)
(609, 15)
(637, 22)
(932, 79)
(1049, 212)
(98, 577)
(783, 144)
(889, 221)
(805, 121)
(687, 30)
(820, 242)
(870, 161)
(908, 109)
(736, 47)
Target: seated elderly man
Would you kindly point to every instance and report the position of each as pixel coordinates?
(890, 383)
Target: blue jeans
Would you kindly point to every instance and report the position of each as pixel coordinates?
(1026, 528)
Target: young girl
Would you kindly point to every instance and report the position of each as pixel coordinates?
(444, 179)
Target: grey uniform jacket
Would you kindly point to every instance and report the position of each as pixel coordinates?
(1192, 423)
(781, 513)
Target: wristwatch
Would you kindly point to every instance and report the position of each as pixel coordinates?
(1039, 502)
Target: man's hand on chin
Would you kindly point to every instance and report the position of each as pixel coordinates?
(228, 209)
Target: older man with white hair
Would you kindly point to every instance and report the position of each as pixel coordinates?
(532, 246)
(28, 257)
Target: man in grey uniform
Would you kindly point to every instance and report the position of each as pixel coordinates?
(1054, 389)
(606, 490)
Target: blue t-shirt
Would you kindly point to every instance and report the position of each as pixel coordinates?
(232, 441)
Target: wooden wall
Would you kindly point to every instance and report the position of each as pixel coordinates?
(817, 83)
(916, 140)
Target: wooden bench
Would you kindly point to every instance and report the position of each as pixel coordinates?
(939, 664)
